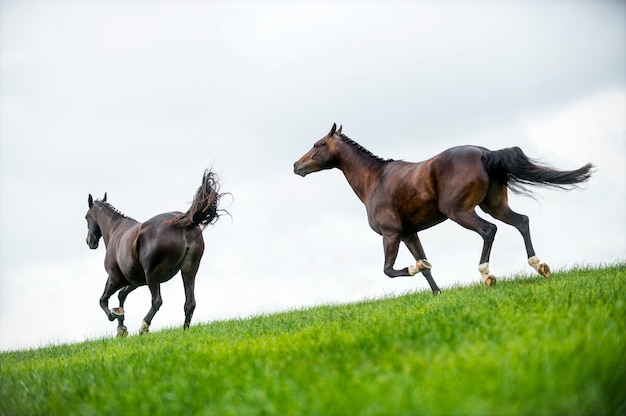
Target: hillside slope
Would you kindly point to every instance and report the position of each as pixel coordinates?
(528, 346)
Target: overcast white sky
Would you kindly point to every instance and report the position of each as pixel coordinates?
(138, 98)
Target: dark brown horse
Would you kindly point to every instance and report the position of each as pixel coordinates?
(152, 252)
(403, 198)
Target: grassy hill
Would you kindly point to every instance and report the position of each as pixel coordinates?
(528, 346)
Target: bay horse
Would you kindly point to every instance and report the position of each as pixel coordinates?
(403, 198)
(152, 252)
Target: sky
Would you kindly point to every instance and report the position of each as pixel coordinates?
(138, 98)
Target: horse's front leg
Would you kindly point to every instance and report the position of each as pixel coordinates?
(155, 289)
(112, 285)
(422, 265)
(391, 243)
(122, 331)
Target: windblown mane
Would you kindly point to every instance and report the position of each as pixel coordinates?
(114, 210)
(363, 151)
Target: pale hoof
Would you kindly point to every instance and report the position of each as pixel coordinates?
(419, 266)
(122, 332)
(490, 281)
(544, 270)
(145, 328)
(117, 312)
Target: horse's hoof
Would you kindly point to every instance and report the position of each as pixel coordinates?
(145, 328)
(122, 332)
(419, 266)
(544, 270)
(117, 312)
(490, 281)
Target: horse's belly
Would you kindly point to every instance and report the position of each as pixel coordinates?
(404, 221)
(422, 217)
(424, 224)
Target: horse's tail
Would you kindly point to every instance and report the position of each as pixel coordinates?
(204, 209)
(514, 169)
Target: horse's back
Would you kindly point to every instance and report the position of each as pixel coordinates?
(456, 164)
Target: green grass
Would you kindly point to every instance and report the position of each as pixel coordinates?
(528, 346)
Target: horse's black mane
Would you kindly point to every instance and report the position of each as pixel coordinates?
(363, 150)
(116, 211)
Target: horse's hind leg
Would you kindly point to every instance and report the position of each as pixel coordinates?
(521, 222)
(487, 230)
(414, 245)
(189, 280)
(496, 205)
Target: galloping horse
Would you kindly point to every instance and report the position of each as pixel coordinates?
(152, 252)
(403, 198)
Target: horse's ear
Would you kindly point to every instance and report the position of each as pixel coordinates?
(332, 130)
(339, 130)
(105, 197)
(90, 201)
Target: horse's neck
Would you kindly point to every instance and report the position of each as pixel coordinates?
(361, 172)
(109, 221)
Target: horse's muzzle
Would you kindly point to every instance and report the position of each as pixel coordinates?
(92, 242)
(299, 170)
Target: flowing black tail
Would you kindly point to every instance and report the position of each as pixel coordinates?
(203, 210)
(513, 168)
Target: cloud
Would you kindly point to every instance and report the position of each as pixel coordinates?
(584, 130)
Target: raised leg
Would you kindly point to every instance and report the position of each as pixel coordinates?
(112, 285)
(391, 243)
(155, 289)
(487, 231)
(414, 245)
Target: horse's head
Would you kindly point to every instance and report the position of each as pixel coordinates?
(322, 156)
(93, 229)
